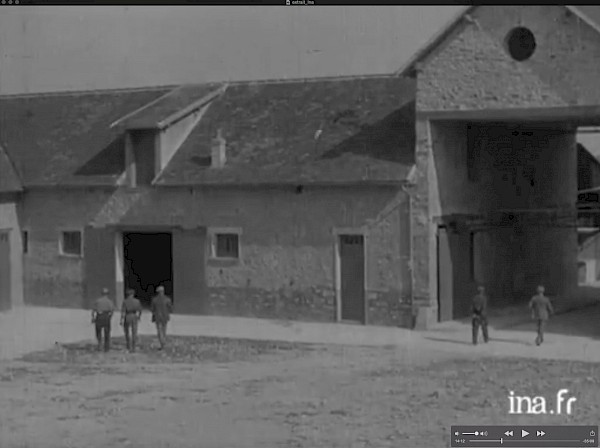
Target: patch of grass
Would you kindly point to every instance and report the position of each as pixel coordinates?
(179, 349)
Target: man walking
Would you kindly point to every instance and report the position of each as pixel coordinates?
(131, 312)
(541, 309)
(479, 310)
(162, 307)
(101, 316)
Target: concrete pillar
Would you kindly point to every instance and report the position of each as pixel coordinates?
(424, 250)
(590, 272)
(9, 220)
(119, 277)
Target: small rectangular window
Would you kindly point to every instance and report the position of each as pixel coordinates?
(25, 238)
(227, 245)
(70, 243)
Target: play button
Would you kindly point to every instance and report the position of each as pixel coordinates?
(541, 433)
(524, 433)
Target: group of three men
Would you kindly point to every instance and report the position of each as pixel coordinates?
(131, 313)
(539, 305)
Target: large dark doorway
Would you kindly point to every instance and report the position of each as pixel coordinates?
(148, 263)
(352, 260)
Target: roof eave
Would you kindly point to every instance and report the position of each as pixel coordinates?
(411, 67)
(389, 183)
(583, 17)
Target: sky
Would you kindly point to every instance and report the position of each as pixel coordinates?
(52, 48)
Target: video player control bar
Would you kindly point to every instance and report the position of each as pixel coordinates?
(524, 436)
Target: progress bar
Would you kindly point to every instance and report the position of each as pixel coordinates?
(524, 436)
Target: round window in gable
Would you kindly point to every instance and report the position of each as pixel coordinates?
(520, 43)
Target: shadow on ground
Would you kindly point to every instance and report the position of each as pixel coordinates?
(180, 349)
(494, 340)
(583, 322)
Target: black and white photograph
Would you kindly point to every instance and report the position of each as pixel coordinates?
(299, 225)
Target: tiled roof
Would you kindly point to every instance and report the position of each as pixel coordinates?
(165, 106)
(9, 179)
(52, 137)
(326, 131)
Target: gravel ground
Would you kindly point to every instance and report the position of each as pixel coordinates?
(212, 392)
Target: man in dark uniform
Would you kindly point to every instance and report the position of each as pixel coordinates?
(131, 312)
(101, 316)
(162, 307)
(541, 309)
(479, 309)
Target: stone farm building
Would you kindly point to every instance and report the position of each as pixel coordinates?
(380, 199)
(235, 197)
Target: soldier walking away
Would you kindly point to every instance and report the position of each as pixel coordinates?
(162, 307)
(541, 309)
(479, 309)
(131, 312)
(101, 316)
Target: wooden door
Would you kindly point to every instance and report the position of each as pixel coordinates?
(5, 281)
(352, 263)
(189, 271)
(99, 252)
(445, 277)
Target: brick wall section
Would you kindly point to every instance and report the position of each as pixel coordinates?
(315, 304)
(287, 244)
(473, 70)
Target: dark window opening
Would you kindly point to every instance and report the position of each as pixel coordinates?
(520, 43)
(227, 245)
(70, 243)
(143, 143)
(25, 238)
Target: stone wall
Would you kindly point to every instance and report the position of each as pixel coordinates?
(287, 264)
(473, 70)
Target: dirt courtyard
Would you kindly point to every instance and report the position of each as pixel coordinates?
(209, 392)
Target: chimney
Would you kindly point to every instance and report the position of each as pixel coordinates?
(218, 156)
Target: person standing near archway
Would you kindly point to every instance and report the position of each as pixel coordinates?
(479, 308)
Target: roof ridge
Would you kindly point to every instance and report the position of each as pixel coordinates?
(173, 87)
(312, 79)
(88, 92)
